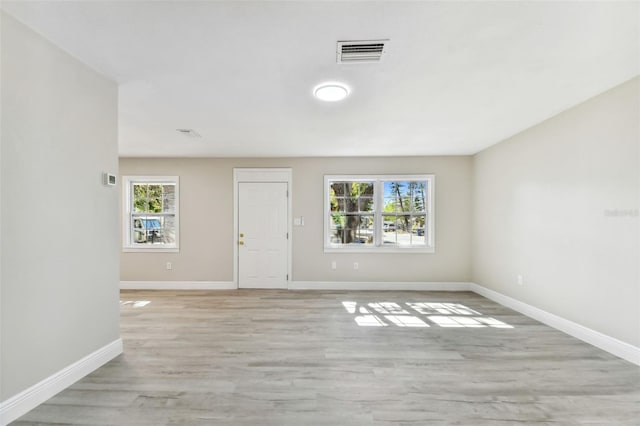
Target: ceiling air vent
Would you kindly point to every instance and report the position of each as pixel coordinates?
(362, 51)
(190, 133)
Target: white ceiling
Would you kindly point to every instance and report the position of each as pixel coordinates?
(457, 76)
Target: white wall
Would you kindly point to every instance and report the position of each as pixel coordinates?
(545, 205)
(59, 224)
(206, 222)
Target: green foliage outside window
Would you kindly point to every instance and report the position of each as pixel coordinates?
(153, 198)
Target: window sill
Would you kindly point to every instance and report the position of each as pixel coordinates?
(373, 250)
(151, 250)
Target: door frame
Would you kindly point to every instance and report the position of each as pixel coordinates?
(257, 175)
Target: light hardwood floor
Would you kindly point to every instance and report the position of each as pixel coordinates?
(263, 357)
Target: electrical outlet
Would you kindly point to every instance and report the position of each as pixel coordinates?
(520, 280)
(355, 265)
(169, 266)
(334, 265)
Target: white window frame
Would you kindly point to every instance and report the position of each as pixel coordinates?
(378, 246)
(127, 204)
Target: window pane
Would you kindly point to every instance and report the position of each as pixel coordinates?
(153, 230)
(389, 224)
(333, 205)
(405, 196)
(365, 204)
(396, 230)
(140, 203)
(389, 234)
(418, 230)
(154, 198)
(337, 221)
(392, 206)
(403, 223)
(398, 190)
(340, 197)
(337, 236)
(336, 228)
(337, 205)
(169, 230)
(358, 189)
(351, 229)
(339, 188)
(418, 192)
(356, 229)
(351, 204)
(396, 197)
(365, 231)
(403, 230)
(168, 198)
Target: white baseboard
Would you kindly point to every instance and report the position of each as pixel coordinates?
(178, 285)
(376, 285)
(20, 404)
(298, 285)
(607, 343)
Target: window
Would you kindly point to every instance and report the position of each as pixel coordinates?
(150, 217)
(379, 213)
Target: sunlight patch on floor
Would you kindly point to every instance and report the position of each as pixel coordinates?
(422, 314)
(406, 321)
(135, 303)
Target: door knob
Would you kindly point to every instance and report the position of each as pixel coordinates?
(241, 243)
(241, 235)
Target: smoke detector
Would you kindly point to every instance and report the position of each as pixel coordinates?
(190, 133)
(360, 51)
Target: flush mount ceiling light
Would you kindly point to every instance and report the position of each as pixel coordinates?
(331, 92)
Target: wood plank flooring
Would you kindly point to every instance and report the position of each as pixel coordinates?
(271, 357)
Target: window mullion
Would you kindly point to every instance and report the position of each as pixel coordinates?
(164, 214)
(379, 201)
(130, 197)
(132, 236)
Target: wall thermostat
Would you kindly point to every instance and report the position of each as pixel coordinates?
(108, 179)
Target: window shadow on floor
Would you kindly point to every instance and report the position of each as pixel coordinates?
(419, 314)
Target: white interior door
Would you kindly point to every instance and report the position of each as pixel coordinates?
(262, 235)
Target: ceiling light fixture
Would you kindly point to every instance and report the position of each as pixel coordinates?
(331, 92)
